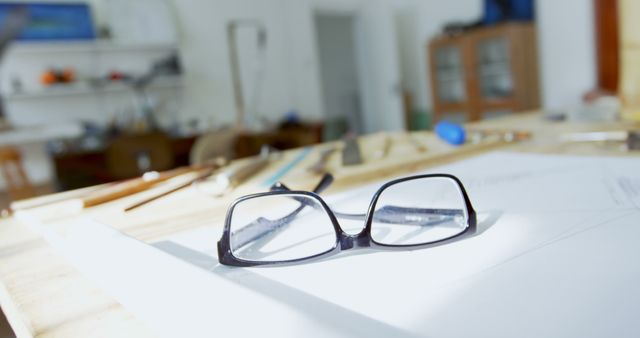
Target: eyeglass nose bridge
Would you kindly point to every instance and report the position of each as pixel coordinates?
(361, 240)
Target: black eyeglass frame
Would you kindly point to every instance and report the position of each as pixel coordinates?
(343, 241)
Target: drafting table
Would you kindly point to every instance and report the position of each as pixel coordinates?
(48, 290)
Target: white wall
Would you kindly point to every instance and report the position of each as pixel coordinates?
(566, 51)
(288, 82)
(293, 76)
(410, 51)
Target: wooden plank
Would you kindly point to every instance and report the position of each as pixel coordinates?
(43, 296)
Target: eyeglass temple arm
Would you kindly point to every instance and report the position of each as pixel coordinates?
(407, 216)
(325, 182)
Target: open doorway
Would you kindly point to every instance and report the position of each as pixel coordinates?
(357, 53)
(338, 70)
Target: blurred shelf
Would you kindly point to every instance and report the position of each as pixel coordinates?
(87, 46)
(86, 89)
(37, 134)
(494, 74)
(449, 79)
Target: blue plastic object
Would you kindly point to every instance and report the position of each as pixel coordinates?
(451, 133)
(520, 10)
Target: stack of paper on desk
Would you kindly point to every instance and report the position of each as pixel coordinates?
(555, 255)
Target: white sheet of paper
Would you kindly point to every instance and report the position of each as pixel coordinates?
(555, 255)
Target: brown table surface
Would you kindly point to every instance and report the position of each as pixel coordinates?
(42, 295)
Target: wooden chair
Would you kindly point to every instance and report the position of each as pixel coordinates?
(219, 143)
(15, 177)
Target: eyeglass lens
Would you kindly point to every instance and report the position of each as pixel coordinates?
(280, 228)
(419, 211)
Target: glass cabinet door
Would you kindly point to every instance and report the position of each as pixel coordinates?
(494, 68)
(450, 75)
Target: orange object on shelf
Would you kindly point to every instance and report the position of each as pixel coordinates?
(68, 75)
(48, 78)
(53, 76)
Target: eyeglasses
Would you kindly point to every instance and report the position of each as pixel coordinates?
(284, 226)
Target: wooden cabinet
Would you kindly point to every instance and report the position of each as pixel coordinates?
(485, 73)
